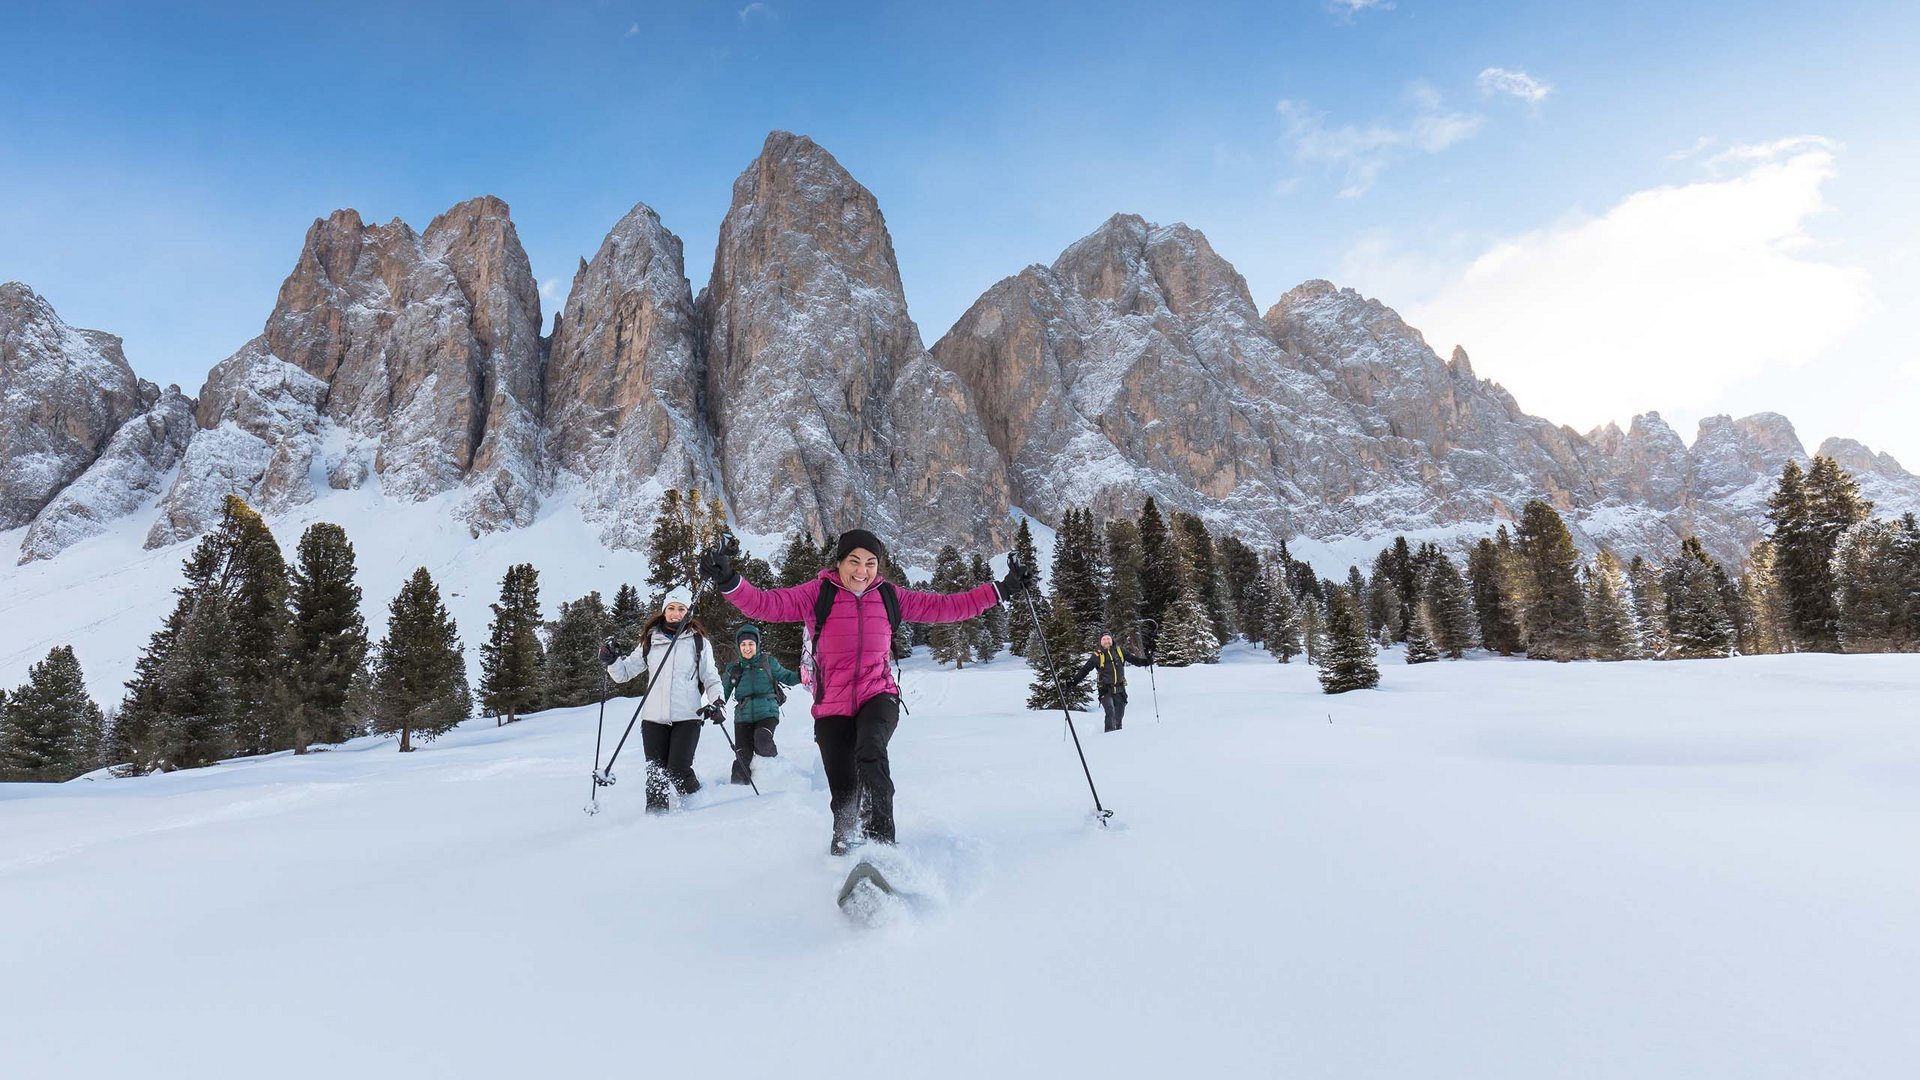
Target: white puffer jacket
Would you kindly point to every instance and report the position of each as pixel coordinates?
(682, 696)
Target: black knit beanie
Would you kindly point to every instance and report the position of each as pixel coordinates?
(858, 538)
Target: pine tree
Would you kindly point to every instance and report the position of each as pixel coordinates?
(1767, 630)
(1609, 623)
(1450, 606)
(1870, 588)
(1056, 659)
(1555, 613)
(252, 576)
(1906, 545)
(1123, 599)
(1347, 660)
(1697, 619)
(1406, 584)
(1161, 572)
(1492, 603)
(1187, 638)
(1283, 630)
(1386, 605)
(574, 675)
(952, 642)
(326, 636)
(1313, 622)
(1421, 648)
(1246, 586)
(49, 727)
(196, 727)
(512, 658)
(990, 629)
(420, 680)
(623, 629)
(1196, 546)
(1357, 592)
(1649, 608)
(1020, 624)
(131, 741)
(1076, 576)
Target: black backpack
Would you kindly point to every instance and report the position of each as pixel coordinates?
(823, 606)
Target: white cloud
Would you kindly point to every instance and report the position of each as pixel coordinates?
(1514, 83)
(1353, 7)
(632, 30)
(754, 10)
(550, 289)
(1664, 301)
(1361, 153)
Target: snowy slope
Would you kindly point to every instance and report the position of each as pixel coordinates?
(1488, 869)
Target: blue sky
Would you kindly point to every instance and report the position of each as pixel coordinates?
(1686, 207)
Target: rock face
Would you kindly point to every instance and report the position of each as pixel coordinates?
(63, 393)
(258, 433)
(625, 383)
(826, 409)
(129, 473)
(429, 349)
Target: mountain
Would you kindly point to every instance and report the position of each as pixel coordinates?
(409, 366)
(826, 408)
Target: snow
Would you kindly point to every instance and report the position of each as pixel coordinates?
(1485, 869)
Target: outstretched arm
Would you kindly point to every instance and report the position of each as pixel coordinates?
(780, 672)
(929, 607)
(791, 604)
(1138, 661)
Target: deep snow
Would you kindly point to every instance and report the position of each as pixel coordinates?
(1486, 869)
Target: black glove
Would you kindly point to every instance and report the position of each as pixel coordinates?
(717, 566)
(1015, 583)
(609, 652)
(714, 714)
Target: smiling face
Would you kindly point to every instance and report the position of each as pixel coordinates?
(1106, 641)
(674, 612)
(748, 646)
(859, 569)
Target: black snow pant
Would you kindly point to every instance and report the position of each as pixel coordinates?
(1115, 703)
(853, 750)
(669, 749)
(749, 740)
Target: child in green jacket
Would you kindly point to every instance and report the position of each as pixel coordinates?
(753, 681)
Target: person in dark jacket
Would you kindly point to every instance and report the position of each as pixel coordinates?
(753, 682)
(1111, 661)
(856, 702)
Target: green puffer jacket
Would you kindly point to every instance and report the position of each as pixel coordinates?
(750, 683)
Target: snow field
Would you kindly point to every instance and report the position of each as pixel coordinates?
(1486, 869)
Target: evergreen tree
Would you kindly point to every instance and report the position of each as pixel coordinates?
(1493, 603)
(1420, 644)
(1809, 513)
(1283, 630)
(131, 741)
(990, 629)
(251, 576)
(1203, 570)
(1555, 612)
(1246, 586)
(797, 564)
(1187, 638)
(952, 642)
(198, 673)
(1406, 584)
(1697, 621)
(574, 675)
(512, 658)
(1649, 608)
(1020, 624)
(1056, 661)
(1766, 617)
(623, 629)
(326, 637)
(1346, 661)
(49, 728)
(1357, 592)
(1450, 606)
(1123, 599)
(1161, 572)
(1609, 622)
(673, 547)
(1313, 623)
(1870, 589)
(1076, 577)
(1906, 546)
(420, 680)
(1386, 604)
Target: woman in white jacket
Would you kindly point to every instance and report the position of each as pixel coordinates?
(684, 686)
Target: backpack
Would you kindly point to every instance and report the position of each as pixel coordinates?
(823, 606)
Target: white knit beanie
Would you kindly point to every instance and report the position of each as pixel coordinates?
(677, 595)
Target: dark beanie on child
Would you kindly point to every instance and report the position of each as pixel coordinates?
(747, 630)
(858, 538)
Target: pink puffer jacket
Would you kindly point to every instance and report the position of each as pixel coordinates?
(853, 660)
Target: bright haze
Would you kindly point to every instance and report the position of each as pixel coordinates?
(1692, 208)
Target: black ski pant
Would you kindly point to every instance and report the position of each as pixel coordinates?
(669, 749)
(749, 740)
(1115, 704)
(854, 751)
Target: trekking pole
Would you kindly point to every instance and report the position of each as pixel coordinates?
(722, 725)
(604, 777)
(1101, 813)
(1152, 663)
(600, 727)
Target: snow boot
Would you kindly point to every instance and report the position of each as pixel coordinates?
(763, 740)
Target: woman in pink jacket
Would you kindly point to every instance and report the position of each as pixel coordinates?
(856, 703)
